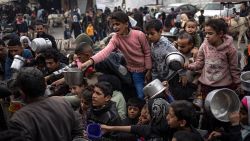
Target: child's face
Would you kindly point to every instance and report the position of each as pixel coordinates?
(84, 104)
(98, 98)
(76, 90)
(144, 117)
(172, 119)
(191, 27)
(212, 37)
(119, 27)
(184, 46)
(153, 35)
(133, 112)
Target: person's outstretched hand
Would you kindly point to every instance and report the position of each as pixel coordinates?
(105, 128)
(86, 64)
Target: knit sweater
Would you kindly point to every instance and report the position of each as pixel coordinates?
(219, 64)
(134, 47)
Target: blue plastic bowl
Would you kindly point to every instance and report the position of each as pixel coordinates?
(94, 131)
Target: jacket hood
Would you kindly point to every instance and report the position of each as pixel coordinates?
(227, 41)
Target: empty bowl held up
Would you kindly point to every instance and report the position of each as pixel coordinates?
(245, 81)
(94, 131)
(221, 102)
(153, 88)
(175, 61)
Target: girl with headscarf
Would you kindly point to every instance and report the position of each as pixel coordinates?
(75, 26)
(26, 44)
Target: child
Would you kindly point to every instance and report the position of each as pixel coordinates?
(240, 125)
(134, 106)
(191, 28)
(86, 99)
(91, 31)
(144, 118)
(181, 117)
(134, 46)
(67, 32)
(185, 44)
(161, 47)
(217, 57)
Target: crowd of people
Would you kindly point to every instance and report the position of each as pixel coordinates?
(41, 101)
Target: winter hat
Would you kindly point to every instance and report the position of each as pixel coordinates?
(83, 38)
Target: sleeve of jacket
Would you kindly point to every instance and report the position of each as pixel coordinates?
(103, 54)
(77, 131)
(233, 64)
(141, 130)
(200, 60)
(146, 50)
(234, 134)
(7, 71)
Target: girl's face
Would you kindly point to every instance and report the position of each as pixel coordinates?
(144, 117)
(172, 119)
(25, 43)
(76, 90)
(119, 27)
(84, 104)
(213, 38)
(191, 27)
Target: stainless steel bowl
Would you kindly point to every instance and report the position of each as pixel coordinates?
(245, 81)
(221, 102)
(175, 61)
(73, 76)
(153, 88)
(18, 62)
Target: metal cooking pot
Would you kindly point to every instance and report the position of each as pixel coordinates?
(18, 62)
(73, 76)
(221, 102)
(153, 88)
(245, 81)
(175, 61)
(40, 43)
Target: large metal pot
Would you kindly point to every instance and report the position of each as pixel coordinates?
(40, 43)
(17, 63)
(175, 61)
(73, 76)
(245, 81)
(153, 88)
(221, 102)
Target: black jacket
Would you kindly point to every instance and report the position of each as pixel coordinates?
(107, 115)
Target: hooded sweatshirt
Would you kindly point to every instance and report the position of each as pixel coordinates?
(219, 64)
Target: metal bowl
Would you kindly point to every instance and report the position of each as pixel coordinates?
(221, 102)
(18, 62)
(153, 88)
(245, 81)
(73, 76)
(40, 43)
(175, 61)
